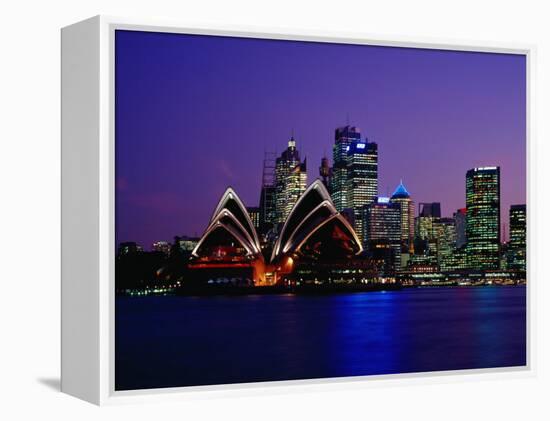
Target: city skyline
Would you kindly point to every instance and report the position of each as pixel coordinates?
(157, 193)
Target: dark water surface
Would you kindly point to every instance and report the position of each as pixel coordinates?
(182, 341)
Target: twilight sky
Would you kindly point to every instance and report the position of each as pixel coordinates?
(195, 114)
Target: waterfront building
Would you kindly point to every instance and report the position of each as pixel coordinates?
(402, 198)
(254, 213)
(162, 247)
(455, 261)
(518, 237)
(460, 226)
(382, 222)
(343, 138)
(483, 217)
(422, 263)
(290, 181)
(314, 232)
(229, 247)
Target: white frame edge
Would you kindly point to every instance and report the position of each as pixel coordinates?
(88, 171)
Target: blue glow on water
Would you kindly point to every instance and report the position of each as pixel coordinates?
(180, 341)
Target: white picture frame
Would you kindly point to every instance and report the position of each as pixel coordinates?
(88, 246)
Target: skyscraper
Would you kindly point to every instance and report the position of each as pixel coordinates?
(518, 237)
(483, 217)
(343, 138)
(426, 238)
(445, 235)
(290, 180)
(460, 224)
(402, 198)
(362, 178)
(382, 224)
(267, 195)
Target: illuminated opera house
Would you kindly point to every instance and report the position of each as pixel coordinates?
(314, 238)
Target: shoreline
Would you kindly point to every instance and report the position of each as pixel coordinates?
(297, 290)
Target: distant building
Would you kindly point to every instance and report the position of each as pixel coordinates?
(483, 217)
(382, 222)
(290, 181)
(402, 198)
(128, 248)
(325, 172)
(162, 247)
(445, 235)
(268, 193)
(455, 261)
(267, 208)
(186, 244)
(254, 213)
(518, 238)
(429, 210)
(460, 225)
(425, 224)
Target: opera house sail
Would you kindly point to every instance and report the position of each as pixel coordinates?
(314, 233)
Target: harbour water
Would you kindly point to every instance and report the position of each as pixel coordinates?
(170, 341)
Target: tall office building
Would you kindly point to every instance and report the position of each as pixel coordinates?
(402, 198)
(290, 180)
(424, 223)
(518, 237)
(343, 138)
(382, 225)
(267, 195)
(445, 238)
(426, 239)
(460, 225)
(483, 217)
(362, 182)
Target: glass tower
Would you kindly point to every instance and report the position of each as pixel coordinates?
(483, 217)
(402, 198)
(382, 223)
(290, 180)
(362, 179)
(518, 237)
(343, 138)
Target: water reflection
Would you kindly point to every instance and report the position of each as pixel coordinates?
(178, 341)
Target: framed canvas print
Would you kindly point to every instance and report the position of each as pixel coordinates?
(249, 209)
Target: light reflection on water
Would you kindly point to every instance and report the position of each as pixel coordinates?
(180, 341)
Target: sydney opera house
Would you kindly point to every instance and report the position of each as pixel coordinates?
(314, 240)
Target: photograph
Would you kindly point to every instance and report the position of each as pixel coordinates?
(296, 210)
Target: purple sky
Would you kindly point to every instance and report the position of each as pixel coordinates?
(194, 114)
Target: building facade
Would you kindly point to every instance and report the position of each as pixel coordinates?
(382, 225)
(460, 225)
(483, 217)
(290, 181)
(517, 253)
(254, 213)
(402, 198)
(343, 138)
(362, 179)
